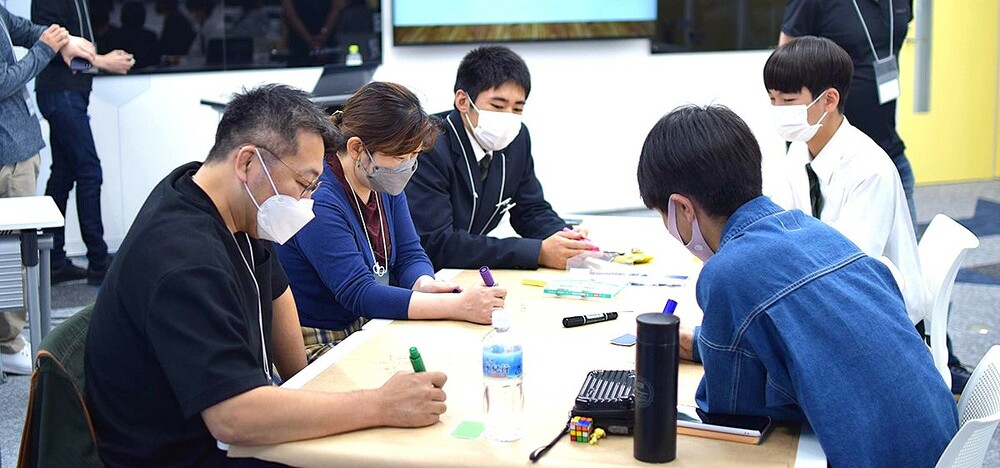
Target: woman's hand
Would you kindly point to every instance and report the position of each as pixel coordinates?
(476, 304)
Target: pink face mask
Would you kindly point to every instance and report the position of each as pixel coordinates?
(698, 247)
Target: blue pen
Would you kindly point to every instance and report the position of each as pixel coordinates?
(669, 308)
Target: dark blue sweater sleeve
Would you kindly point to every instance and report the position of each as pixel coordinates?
(533, 217)
(329, 243)
(411, 261)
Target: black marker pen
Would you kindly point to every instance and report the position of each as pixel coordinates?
(578, 320)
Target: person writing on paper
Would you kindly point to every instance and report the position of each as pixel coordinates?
(808, 340)
(832, 170)
(482, 168)
(196, 314)
(361, 258)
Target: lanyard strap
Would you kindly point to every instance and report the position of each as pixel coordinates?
(869, 36)
(81, 15)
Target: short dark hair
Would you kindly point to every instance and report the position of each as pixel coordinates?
(271, 116)
(387, 117)
(706, 153)
(488, 67)
(814, 62)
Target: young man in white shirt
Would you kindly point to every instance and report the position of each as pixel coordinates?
(833, 170)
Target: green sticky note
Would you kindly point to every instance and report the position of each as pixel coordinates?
(468, 430)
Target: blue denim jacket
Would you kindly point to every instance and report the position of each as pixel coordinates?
(800, 324)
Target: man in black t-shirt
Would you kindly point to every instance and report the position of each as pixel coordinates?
(196, 312)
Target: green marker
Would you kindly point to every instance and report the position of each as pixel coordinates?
(416, 360)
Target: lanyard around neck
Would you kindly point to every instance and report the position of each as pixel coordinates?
(378, 270)
(869, 36)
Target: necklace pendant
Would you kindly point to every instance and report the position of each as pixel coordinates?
(379, 270)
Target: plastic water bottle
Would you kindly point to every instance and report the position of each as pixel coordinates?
(353, 56)
(502, 377)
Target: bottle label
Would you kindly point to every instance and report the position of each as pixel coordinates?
(502, 365)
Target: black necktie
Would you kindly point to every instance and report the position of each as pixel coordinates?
(484, 166)
(815, 196)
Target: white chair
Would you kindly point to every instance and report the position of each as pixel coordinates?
(942, 250)
(978, 414)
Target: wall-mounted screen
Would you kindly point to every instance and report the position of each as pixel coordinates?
(465, 21)
(192, 35)
(717, 25)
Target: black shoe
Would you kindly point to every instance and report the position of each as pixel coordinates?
(95, 276)
(68, 272)
(959, 378)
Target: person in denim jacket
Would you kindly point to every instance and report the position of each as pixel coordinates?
(799, 324)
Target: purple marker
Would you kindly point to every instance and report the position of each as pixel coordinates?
(487, 276)
(669, 308)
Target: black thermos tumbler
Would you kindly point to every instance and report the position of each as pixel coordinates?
(655, 438)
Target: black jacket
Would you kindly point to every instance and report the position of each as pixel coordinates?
(441, 196)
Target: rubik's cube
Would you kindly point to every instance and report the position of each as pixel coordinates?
(580, 429)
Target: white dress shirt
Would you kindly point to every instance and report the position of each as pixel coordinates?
(863, 199)
(477, 150)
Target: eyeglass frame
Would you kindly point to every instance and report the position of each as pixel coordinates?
(308, 188)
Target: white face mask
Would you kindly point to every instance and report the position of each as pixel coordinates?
(792, 122)
(280, 216)
(496, 130)
(697, 246)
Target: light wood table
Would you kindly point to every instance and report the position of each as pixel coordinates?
(556, 360)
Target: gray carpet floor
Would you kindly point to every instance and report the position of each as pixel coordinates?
(974, 325)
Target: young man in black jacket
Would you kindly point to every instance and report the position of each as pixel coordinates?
(481, 168)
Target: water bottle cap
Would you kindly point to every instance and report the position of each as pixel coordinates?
(657, 329)
(501, 318)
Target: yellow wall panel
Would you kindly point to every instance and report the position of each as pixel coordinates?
(956, 140)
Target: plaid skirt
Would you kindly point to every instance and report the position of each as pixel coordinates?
(320, 340)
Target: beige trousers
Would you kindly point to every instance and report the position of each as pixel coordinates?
(16, 180)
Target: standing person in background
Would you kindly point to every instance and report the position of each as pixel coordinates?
(310, 25)
(63, 97)
(21, 138)
(177, 34)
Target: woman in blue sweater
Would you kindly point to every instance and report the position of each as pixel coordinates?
(360, 258)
